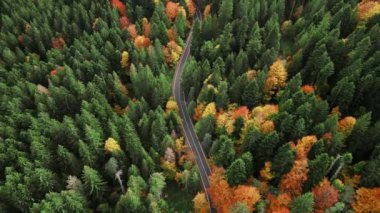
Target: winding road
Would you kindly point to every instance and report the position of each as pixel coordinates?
(187, 125)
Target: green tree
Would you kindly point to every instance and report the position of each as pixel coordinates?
(65, 201)
(302, 204)
(318, 169)
(93, 182)
(282, 161)
(236, 173)
(223, 151)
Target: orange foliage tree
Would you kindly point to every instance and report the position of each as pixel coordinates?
(279, 204)
(207, 10)
(292, 182)
(142, 41)
(132, 31)
(191, 6)
(172, 10)
(367, 200)
(246, 194)
(223, 196)
(304, 146)
(220, 190)
(325, 196)
(308, 89)
(346, 125)
(146, 27)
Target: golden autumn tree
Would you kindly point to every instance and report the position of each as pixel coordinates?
(172, 52)
(171, 105)
(201, 204)
(124, 62)
(209, 110)
(265, 174)
(169, 168)
(367, 200)
(277, 76)
(112, 146)
(325, 196)
(142, 41)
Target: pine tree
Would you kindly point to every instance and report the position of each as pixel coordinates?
(303, 203)
(236, 172)
(283, 161)
(318, 169)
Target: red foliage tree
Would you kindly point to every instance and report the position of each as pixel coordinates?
(325, 196)
(242, 111)
(119, 6)
(58, 43)
(124, 22)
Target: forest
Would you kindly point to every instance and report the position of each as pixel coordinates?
(284, 96)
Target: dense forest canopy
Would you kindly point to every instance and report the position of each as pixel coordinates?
(80, 128)
(284, 96)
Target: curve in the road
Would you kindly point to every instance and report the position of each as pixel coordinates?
(187, 125)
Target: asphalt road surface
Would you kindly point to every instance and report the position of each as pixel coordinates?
(187, 125)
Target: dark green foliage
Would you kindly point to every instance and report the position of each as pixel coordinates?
(282, 161)
(302, 204)
(236, 172)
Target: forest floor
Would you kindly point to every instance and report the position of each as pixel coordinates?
(180, 200)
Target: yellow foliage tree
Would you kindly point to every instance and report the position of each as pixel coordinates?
(111, 145)
(171, 105)
(265, 173)
(277, 77)
(200, 203)
(124, 59)
(209, 110)
(169, 168)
